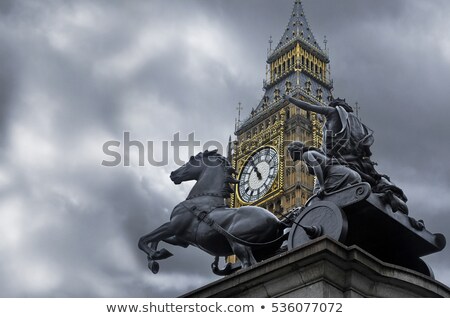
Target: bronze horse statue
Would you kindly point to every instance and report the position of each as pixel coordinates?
(203, 220)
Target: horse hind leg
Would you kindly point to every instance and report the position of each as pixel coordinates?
(154, 238)
(244, 254)
(161, 233)
(163, 253)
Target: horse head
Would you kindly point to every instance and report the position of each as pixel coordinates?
(213, 169)
(193, 169)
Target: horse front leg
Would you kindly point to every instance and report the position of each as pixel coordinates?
(162, 233)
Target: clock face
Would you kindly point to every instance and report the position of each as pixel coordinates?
(258, 175)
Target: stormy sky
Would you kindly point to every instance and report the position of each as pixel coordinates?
(76, 74)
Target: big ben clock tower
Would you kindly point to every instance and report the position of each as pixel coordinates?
(267, 177)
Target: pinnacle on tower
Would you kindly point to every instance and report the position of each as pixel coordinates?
(298, 28)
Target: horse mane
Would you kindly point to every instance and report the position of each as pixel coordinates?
(228, 170)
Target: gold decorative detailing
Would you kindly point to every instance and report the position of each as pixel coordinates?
(263, 137)
(306, 60)
(317, 131)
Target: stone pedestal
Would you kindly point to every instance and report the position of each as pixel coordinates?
(324, 268)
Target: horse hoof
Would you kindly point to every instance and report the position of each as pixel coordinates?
(153, 266)
(162, 254)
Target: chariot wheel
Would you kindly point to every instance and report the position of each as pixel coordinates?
(320, 219)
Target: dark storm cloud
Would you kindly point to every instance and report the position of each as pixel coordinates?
(5, 7)
(73, 76)
(7, 86)
(87, 219)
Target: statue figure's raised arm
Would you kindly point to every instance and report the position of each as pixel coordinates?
(323, 110)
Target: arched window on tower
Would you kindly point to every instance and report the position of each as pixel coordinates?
(288, 87)
(319, 95)
(292, 176)
(278, 207)
(265, 102)
(277, 94)
(308, 86)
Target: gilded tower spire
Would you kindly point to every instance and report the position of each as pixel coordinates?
(297, 66)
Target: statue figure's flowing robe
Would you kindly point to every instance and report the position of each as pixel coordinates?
(337, 177)
(351, 147)
(353, 140)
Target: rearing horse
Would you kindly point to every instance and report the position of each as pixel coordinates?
(191, 220)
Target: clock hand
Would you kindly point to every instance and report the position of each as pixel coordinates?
(258, 174)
